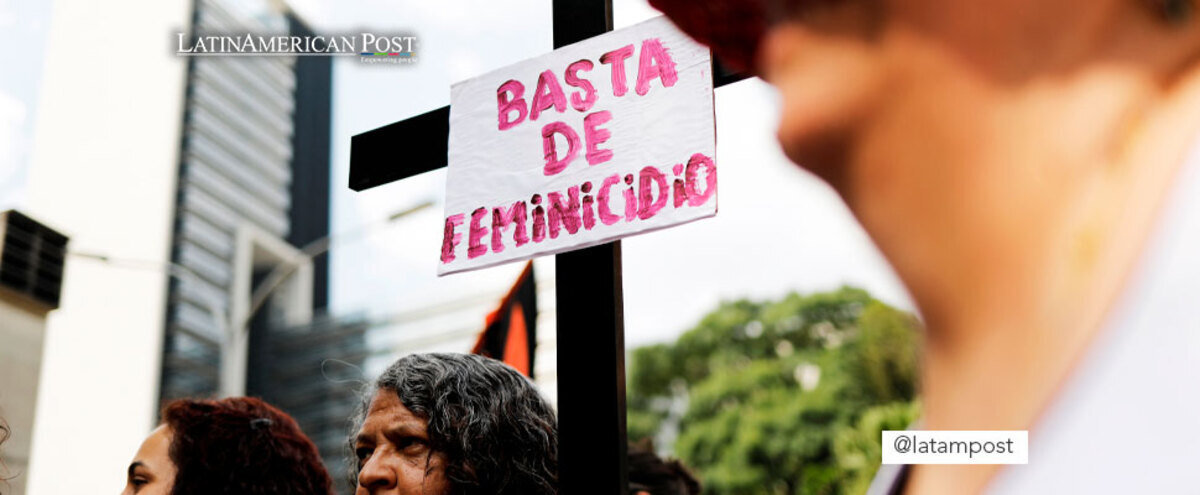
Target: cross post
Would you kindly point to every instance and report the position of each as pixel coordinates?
(591, 332)
(591, 327)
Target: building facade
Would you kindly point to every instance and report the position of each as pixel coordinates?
(254, 169)
(253, 190)
(31, 270)
(185, 182)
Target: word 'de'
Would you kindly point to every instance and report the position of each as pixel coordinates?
(577, 148)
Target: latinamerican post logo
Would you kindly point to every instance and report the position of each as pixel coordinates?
(371, 48)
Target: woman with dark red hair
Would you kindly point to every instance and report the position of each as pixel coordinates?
(238, 445)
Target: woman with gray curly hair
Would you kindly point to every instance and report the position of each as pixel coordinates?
(443, 424)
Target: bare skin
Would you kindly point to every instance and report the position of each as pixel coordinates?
(1009, 158)
(394, 455)
(151, 472)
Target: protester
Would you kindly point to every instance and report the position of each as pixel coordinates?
(649, 474)
(239, 445)
(1024, 166)
(438, 424)
(4, 433)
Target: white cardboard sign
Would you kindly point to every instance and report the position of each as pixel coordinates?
(606, 138)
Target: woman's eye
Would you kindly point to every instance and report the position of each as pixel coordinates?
(363, 453)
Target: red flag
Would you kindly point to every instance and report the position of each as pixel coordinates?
(510, 334)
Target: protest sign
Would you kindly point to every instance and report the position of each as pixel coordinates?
(599, 140)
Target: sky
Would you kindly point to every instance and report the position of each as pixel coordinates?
(22, 27)
(778, 228)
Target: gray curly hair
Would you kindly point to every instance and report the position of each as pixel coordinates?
(497, 433)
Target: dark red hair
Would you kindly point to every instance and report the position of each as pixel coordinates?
(241, 445)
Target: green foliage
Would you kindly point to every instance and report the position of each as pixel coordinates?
(642, 422)
(883, 359)
(857, 448)
(783, 397)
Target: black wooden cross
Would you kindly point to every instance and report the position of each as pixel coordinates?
(591, 325)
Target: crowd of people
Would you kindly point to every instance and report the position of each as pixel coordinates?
(431, 424)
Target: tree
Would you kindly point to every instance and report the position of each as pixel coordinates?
(783, 397)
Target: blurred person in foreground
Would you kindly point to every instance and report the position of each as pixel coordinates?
(238, 445)
(461, 424)
(1031, 170)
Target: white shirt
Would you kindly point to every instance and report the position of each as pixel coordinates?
(1128, 418)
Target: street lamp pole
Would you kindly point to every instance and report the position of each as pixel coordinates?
(310, 251)
(217, 309)
(232, 323)
(235, 354)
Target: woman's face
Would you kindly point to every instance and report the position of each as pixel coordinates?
(952, 128)
(829, 70)
(870, 84)
(393, 451)
(875, 86)
(152, 472)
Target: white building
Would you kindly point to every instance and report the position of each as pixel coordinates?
(103, 171)
(173, 176)
(31, 260)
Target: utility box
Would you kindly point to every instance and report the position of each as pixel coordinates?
(31, 260)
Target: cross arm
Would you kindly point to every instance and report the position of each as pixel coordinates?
(420, 144)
